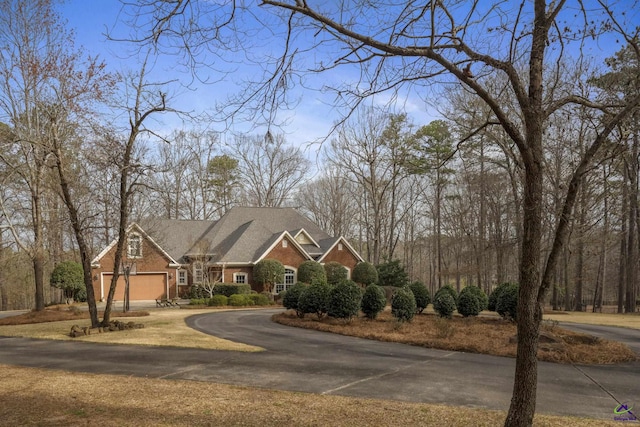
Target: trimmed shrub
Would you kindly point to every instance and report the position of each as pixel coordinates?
(344, 300)
(314, 299)
(268, 272)
(448, 289)
(421, 294)
(311, 272)
(483, 299)
(69, 276)
(391, 273)
(335, 272)
(199, 301)
(292, 295)
(468, 303)
(495, 294)
(373, 301)
(507, 303)
(197, 292)
(444, 304)
(218, 301)
(228, 289)
(240, 300)
(403, 304)
(259, 299)
(365, 274)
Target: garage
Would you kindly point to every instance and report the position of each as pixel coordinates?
(141, 286)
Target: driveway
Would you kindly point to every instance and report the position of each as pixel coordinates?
(317, 362)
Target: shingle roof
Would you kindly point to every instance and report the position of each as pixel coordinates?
(242, 235)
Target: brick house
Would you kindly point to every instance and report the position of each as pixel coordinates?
(166, 257)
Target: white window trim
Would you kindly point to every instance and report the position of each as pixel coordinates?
(198, 270)
(236, 275)
(182, 278)
(285, 243)
(280, 287)
(129, 238)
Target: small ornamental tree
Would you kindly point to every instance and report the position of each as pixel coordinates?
(291, 297)
(444, 304)
(268, 272)
(468, 302)
(421, 294)
(373, 301)
(344, 300)
(403, 304)
(365, 274)
(311, 272)
(336, 272)
(69, 276)
(314, 299)
(392, 273)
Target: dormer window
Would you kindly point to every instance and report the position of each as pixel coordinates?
(134, 246)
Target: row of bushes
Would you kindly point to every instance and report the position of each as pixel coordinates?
(226, 289)
(346, 299)
(234, 300)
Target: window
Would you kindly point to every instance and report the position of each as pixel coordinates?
(182, 278)
(289, 276)
(289, 281)
(285, 243)
(239, 278)
(198, 272)
(134, 246)
(339, 246)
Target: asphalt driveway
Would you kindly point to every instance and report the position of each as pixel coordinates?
(318, 362)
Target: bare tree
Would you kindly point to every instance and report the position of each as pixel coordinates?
(419, 43)
(144, 100)
(269, 169)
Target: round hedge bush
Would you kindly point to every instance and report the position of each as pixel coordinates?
(444, 304)
(403, 304)
(314, 299)
(218, 301)
(373, 301)
(292, 295)
(448, 289)
(259, 299)
(335, 272)
(468, 303)
(239, 300)
(507, 303)
(483, 299)
(311, 272)
(495, 294)
(421, 294)
(365, 274)
(344, 300)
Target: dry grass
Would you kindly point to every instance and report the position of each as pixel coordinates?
(627, 320)
(56, 398)
(161, 328)
(486, 335)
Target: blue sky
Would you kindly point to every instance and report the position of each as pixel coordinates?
(309, 121)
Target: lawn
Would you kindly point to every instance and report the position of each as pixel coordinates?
(56, 398)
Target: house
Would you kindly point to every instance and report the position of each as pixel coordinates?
(166, 257)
